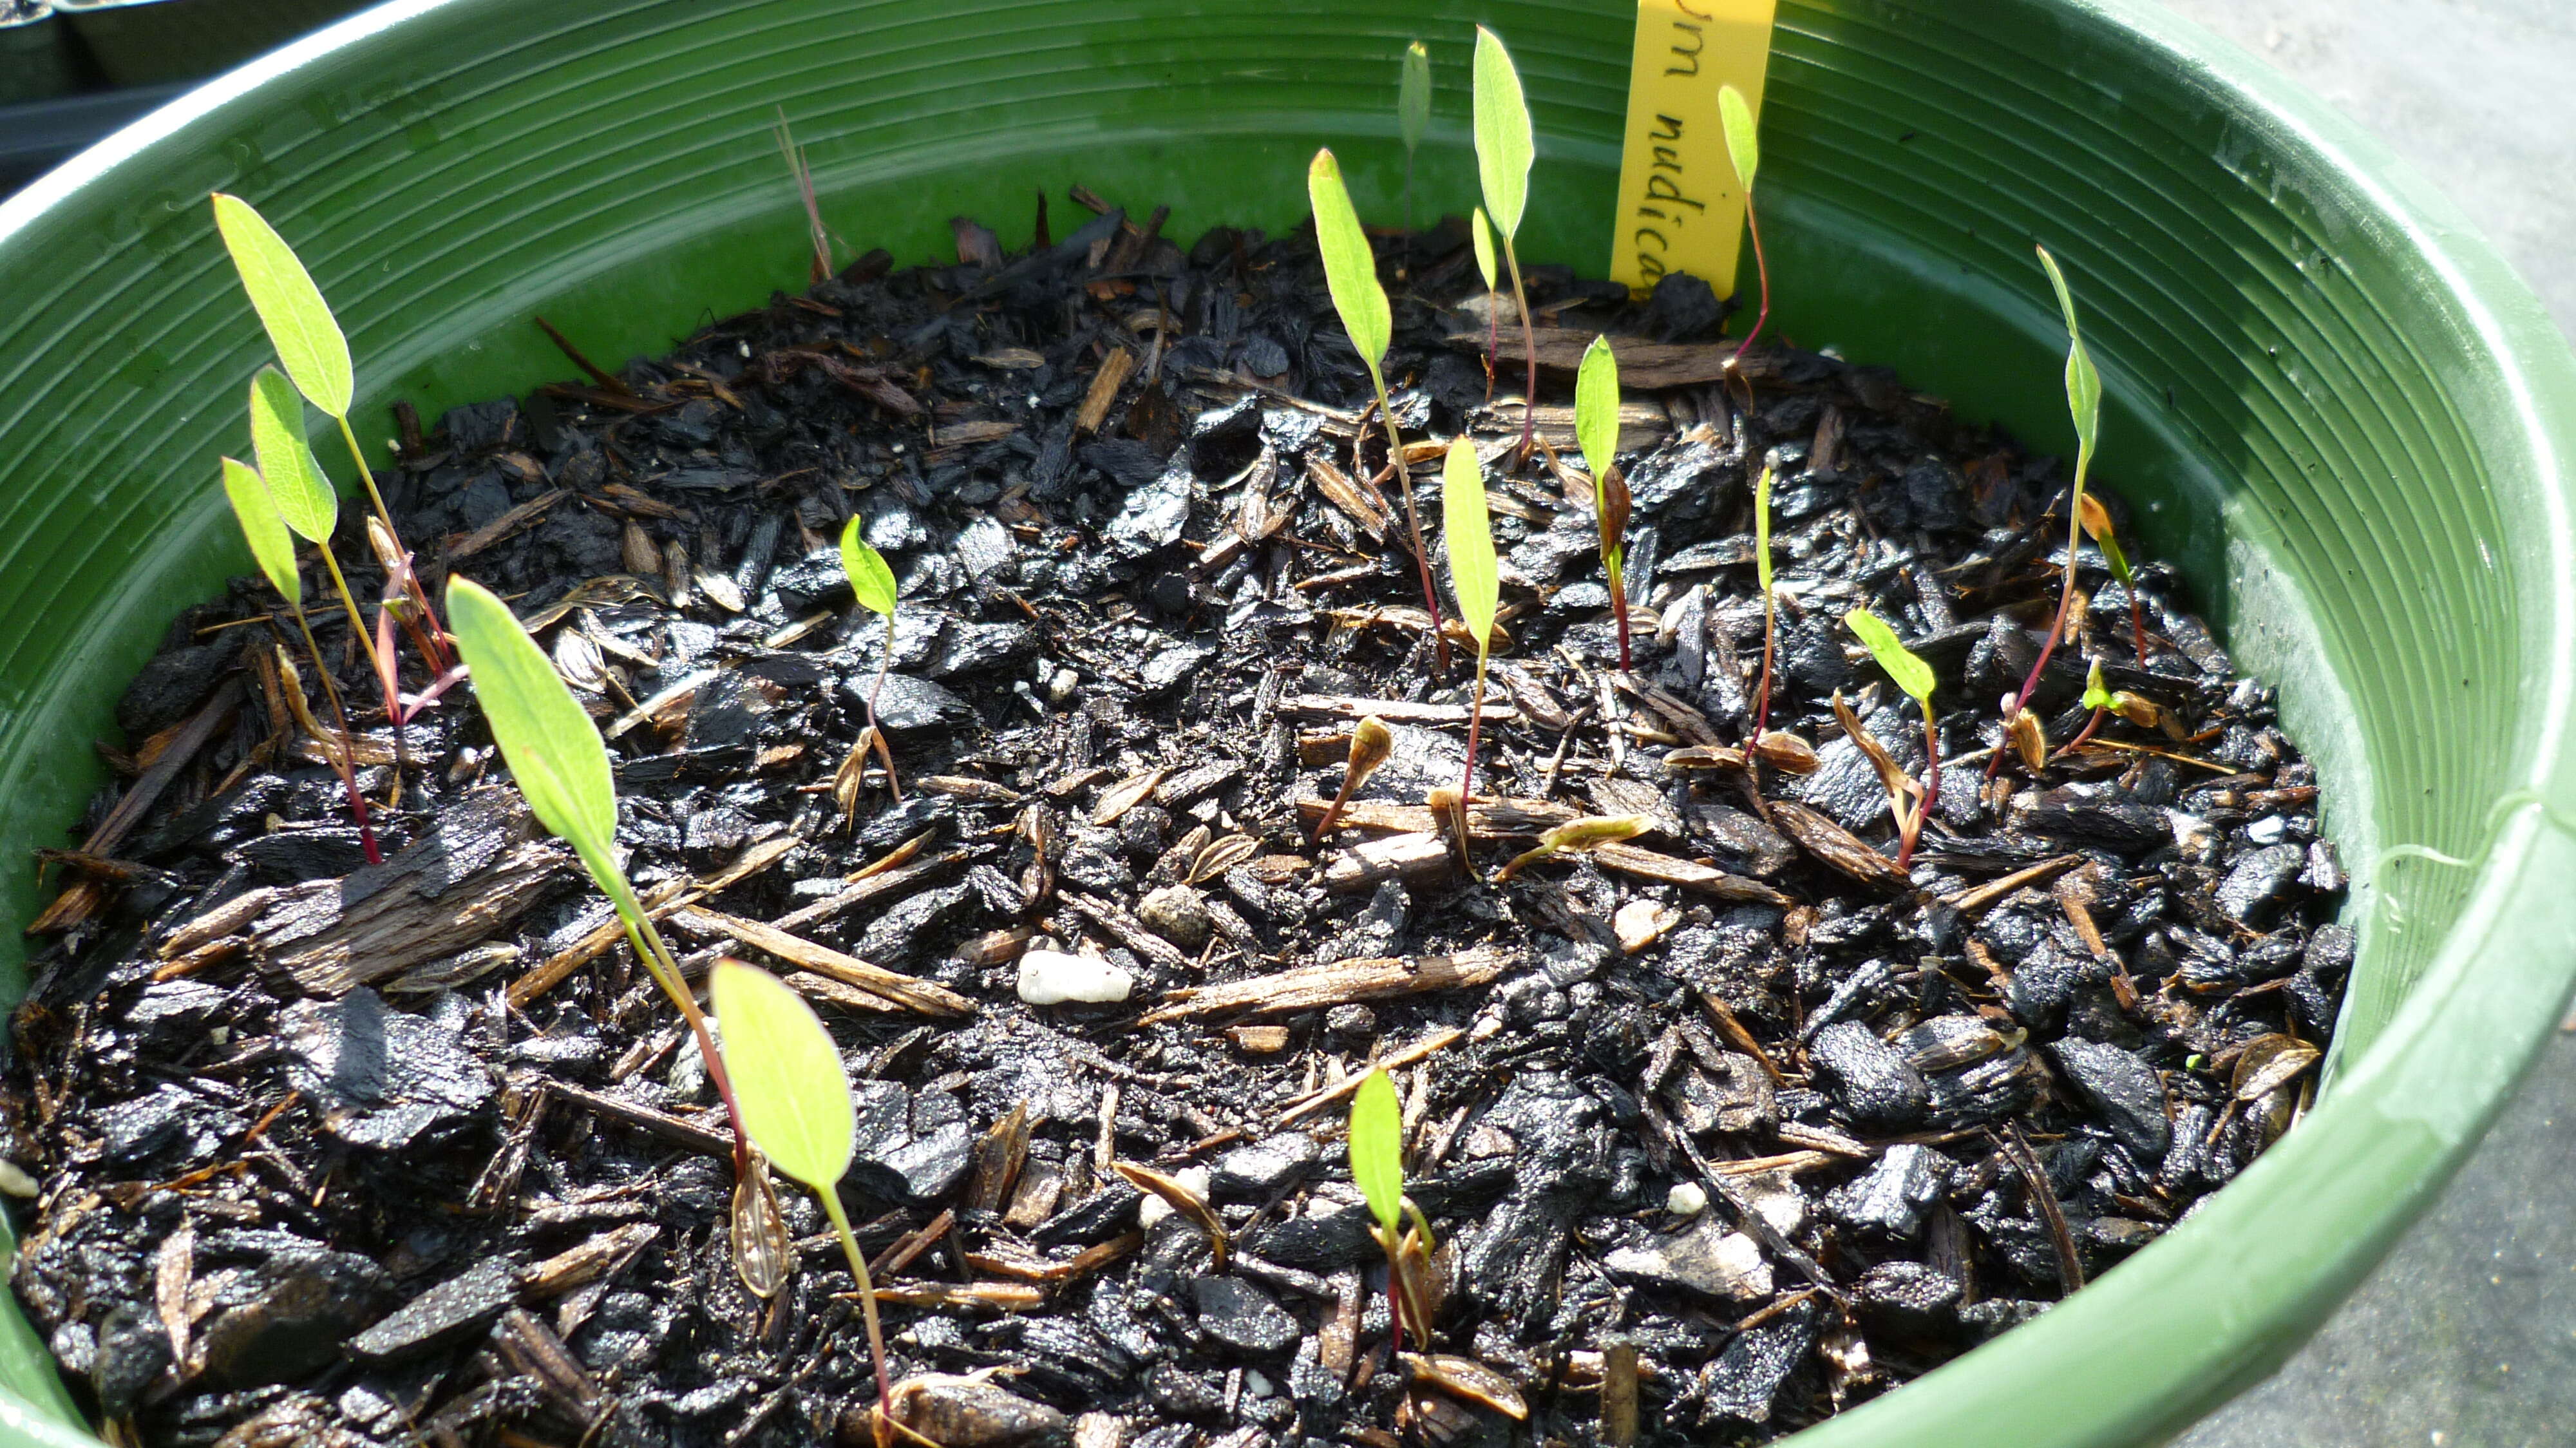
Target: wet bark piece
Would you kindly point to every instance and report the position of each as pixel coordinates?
(1311, 986)
(471, 876)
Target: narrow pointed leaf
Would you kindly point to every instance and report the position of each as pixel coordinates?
(1413, 96)
(1377, 1149)
(552, 748)
(1910, 673)
(300, 326)
(305, 500)
(1504, 145)
(2083, 384)
(1762, 528)
(1743, 137)
(1350, 267)
(1480, 227)
(1596, 408)
(262, 529)
(870, 578)
(1472, 575)
(788, 1080)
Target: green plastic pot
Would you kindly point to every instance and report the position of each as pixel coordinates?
(2332, 404)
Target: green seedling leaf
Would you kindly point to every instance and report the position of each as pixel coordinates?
(2083, 384)
(1596, 408)
(788, 1081)
(305, 500)
(1743, 139)
(300, 326)
(1762, 529)
(1471, 542)
(1504, 144)
(262, 528)
(2096, 695)
(1910, 673)
(1480, 228)
(1377, 1149)
(1350, 267)
(1594, 831)
(870, 578)
(1413, 96)
(551, 746)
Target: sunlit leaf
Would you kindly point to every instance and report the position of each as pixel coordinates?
(262, 528)
(2083, 384)
(1470, 535)
(305, 500)
(1413, 96)
(2096, 694)
(1504, 145)
(1596, 408)
(300, 326)
(1350, 267)
(1762, 528)
(1910, 673)
(1743, 138)
(1377, 1149)
(870, 578)
(552, 748)
(1480, 228)
(2097, 526)
(1593, 831)
(788, 1081)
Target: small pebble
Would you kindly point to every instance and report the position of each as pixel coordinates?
(1176, 913)
(1686, 1199)
(1051, 977)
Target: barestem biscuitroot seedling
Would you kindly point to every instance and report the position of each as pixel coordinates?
(1371, 743)
(1350, 274)
(873, 583)
(792, 1096)
(1596, 428)
(1914, 677)
(1575, 837)
(555, 752)
(1377, 1169)
(2084, 406)
(1473, 574)
(1744, 152)
(1505, 146)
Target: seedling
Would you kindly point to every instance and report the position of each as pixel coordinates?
(1371, 743)
(1480, 229)
(2097, 525)
(874, 584)
(1377, 1169)
(1574, 837)
(1914, 677)
(2084, 405)
(1505, 147)
(792, 1097)
(804, 174)
(1479, 587)
(274, 549)
(555, 752)
(1744, 151)
(1350, 274)
(2104, 700)
(1596, 427)
(1412, 118)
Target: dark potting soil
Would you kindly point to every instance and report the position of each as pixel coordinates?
(330, 1153)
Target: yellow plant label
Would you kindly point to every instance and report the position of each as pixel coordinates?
(1680, 208)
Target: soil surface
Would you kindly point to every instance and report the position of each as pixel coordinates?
(326, 1152)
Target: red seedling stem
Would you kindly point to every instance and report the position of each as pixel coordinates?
(1762, 270)
(348, 767)
(2056, 628)
(1762, 696)
(1412, 521)
(1931, 791)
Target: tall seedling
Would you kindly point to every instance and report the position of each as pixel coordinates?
(1479, 587)
(2084, 406)
(1377, 1169)
(1744, 152)
(1596, 428)
(794, 1100)
(274, 549)
(1915, 677)
(555, 753)
(873, 582)
(1412, 120)
(1350, 273)
(1504, 149)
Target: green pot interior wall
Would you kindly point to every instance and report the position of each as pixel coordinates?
(2307, 414)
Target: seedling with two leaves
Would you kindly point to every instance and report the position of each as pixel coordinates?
(1377, 1169)
(1505, 147)
(1478, 582)
(1909, 802)
(555, 752)
(1596, 428)
(2084, 405)
(873, 584)
(1350, 274)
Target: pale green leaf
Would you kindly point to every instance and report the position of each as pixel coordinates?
(1377, 1149)
(870, 578)
(1481, 228)
(1413, 96)
(304, 497)
(1910, 673)
(1350, 267)
(552, 748)
(1504, 144)
(1743, 137)
(2083, 384)
(1472, 574)
(1762, 528)
(2097, 695)
(262, 529)
(788, 1081)
(299, 322)
(1596, 408)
